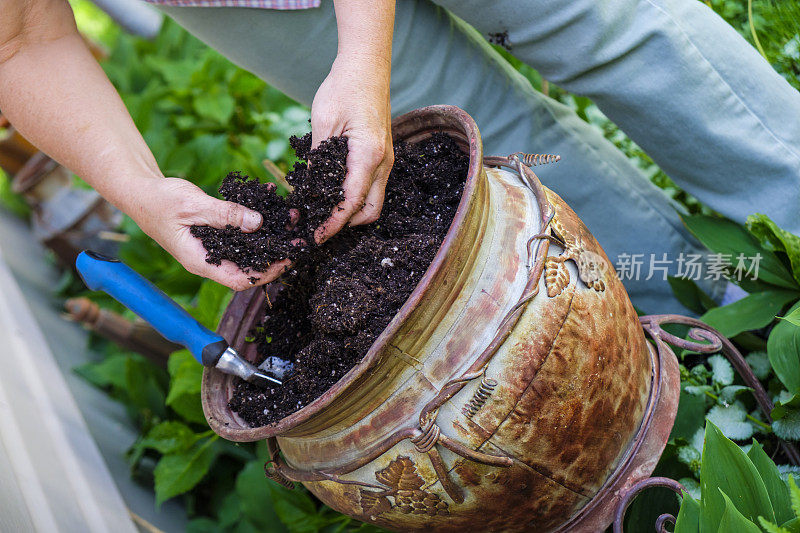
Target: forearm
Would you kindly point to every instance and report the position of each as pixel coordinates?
(57, 96)
(365, 30)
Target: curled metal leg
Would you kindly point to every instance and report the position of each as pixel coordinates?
(716, 342)
(631, 492)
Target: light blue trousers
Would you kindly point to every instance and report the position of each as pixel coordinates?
(672, 74)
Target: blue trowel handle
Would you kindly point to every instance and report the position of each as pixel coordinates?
(101, 273)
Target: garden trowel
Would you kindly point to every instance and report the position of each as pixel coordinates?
(101, 273)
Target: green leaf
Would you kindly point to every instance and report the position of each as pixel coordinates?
(110, 372)
(688, 293)
(177, 473)
(769, 527)
(783, 349)
(145, 386)
(721, 370)
(171, 437)
(688, 520)
(295, 508)
(794, 495)
(759, 362)
(691, 412)
(751, 312)
(727, 469)
(733, 520)
(186, 377)
(727, 237)
(204, 525)
(765, 229)
(730, 420)
(214, 105)
(212, 299)
(254, 496)
(776, 488)
(793, 317)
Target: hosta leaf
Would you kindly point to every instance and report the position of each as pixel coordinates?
(179, 472)
(793, 317)
(777, 489)
(733, 520)
(727, 237)
(688, 519)
(751, 312)
(764, 228)
(726, 468)
(783, 349)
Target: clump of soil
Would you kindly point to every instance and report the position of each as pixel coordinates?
(500, 39)
(339, 296)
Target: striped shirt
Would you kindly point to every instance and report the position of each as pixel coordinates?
(263, 4)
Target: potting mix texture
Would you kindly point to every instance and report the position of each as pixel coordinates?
(338, 296)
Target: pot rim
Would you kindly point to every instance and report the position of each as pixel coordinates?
(412, 124)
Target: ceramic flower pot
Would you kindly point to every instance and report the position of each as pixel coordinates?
(513, 391)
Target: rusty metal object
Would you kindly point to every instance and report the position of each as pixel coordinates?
(633, 491)
(581, 404)
(135, 335)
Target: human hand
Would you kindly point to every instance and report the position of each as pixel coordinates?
(354, 101)
(167, 208)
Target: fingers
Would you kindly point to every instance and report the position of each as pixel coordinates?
(230, 275)
(374, 202)
(219, 213)
(363, 159)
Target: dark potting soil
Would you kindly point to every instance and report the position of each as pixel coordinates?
(340, 295)
(500, 39)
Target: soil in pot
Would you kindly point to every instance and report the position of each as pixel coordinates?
(338, 296)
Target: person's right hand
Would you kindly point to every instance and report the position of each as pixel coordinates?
(167, 208)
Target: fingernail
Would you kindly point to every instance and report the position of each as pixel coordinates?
(252, 221)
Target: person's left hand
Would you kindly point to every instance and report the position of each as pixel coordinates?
(354, 101)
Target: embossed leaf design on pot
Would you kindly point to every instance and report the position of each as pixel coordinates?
(405, 486)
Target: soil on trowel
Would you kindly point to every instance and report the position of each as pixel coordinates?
(338, 297)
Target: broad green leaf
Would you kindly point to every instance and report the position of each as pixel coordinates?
(783, 349)
(727, 469)
(145, 386)
(110, 372)
(214, 105)
(751, 312)
(691, 412)
(186, 376)
(171, 437)
(254, 496)
(179, 472)
(295, 508)
(211, 302)
(204, 525)
(793, 317)
(688, 293)
(727, 237)
(765, 229)
(777, 489)
(688, 520)
(732, 520)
